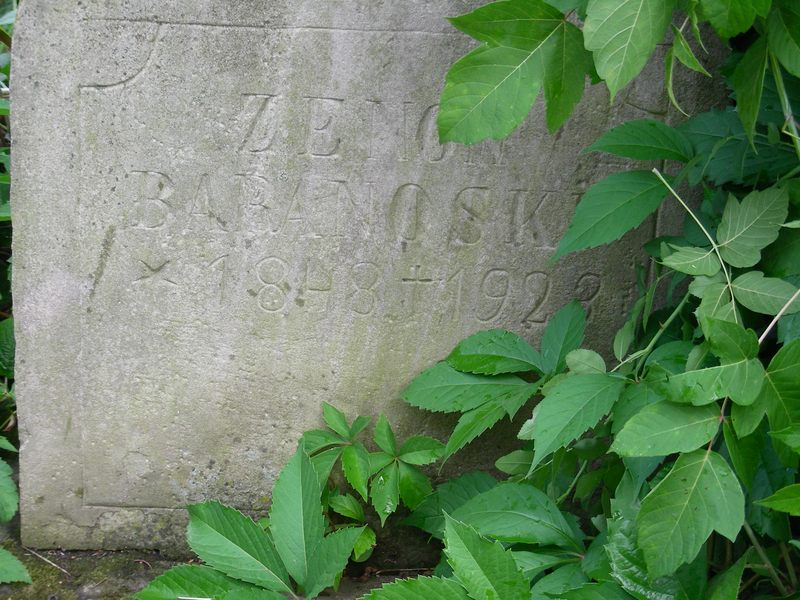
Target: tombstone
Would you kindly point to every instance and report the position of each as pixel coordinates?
(226, 213)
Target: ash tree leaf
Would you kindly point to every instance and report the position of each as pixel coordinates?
(527, 45)
(385, 491)
(664, 428)
(699, 495)
(483, 567)
(783, 34)
(683, 52)
(494, 352)
(421, 450)
(785, 500)
(419, 587)
(732, 17)
(764, 295)
(622, 34)
(12, 570)
(329, 559)
(443, 389)
(569, 409)
(518, 512)
(748, 84)
(193, 581)
(296, 519)
(355, 464)
(751, 226)
(563, 334)
(232, 543)
(611, 208)
(693, 261)
(585, 361)
(644, 139)
(725, 586)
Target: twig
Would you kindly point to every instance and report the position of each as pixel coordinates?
(789, 566)
(773, 574)
(781, 312)
(47, 560)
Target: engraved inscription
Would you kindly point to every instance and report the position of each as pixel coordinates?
(271, 273)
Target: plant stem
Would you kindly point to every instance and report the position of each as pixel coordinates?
(781, 312)
(573, 484)
(706, 233)
(767, 563)
(785, 104)
(789, 566)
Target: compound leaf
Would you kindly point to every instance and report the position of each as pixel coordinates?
(419, 587)
(385, 491)
(693, 261)
(645, 139)
(355, 464)
(192, 581)
(329, 559)
(563, 334)
(784, 500)
(731, 17)
(494, 352)
(765, 295)
(751, 226)
(664, 428)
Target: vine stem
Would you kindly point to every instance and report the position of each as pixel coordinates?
(767, 563)
(781, 312)
(785, 104)
(573, 484)
(789, 566)
(706, 233)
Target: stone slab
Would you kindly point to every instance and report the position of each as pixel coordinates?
(226, 213)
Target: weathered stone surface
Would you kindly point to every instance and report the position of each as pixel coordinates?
(228, 212)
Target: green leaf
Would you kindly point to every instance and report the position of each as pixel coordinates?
(623, 339)
(765, 295)
(783, 34)
(7, 348)
(611, 207)
(347, 506)
(534, 563)
(782, 257)
(527, 45)
(192, 581)
(780, 395)
(364, 545)
(335, 419)
(751, 226)
(355, 464)
(725, 586)
(645, 139)
(585, 361)
(359, 424)
(731, 17)
(518, 512)
(9, 497)
(323, 464)
(634, 398)
(683, 52)
(574, 405)
(12, 570)
(384, 436)
(421, 450)
(494, 352)
(740, 381)
(664, 428)
(745, 453)
(595, 591)
(693, 261)
(622, 35)
(443, 389)
(514, 463)
(6, 445)
(560, 581)
(315, 440)
(385, 491)
(329, 558)
(730, 341)
(232, 543)
(699, 495)
(296, 518)
(748, 84)
(563, 334)
(473, 423)
(789, 436)
(419, 587)
(483, 567)
(414, 486)
(785, 500)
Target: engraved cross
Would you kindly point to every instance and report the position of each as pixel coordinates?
(416, 281)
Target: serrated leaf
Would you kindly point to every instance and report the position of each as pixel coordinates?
(783, 34)
(683, 52)
(232, 543)
(741, 381)
(573, 406)
(356, 467)
(765, 295)
(414, 486)
(192, 581)
(560, 581)
(315, 440)
(644, 139)
(785, 500)
(534, 563)
(699, 495)
(594, 591)
(7, 348)
(383, 434)
(563, 334)
(494, 352)
(517, 512)
(515, 463)
(347, 506)
(731, 17)
(6, 445)
(612, 207)
(748, 84)
(664, 428)
(330, 557)
(472, 424)
(364, 545)
(693, 261)
(725, 586)
(751, 226)
(9, 496)
(296, 518)
(419, 587)
(585, 361)
(323, 463)
(633, 399)
(421, 450)
(622, 34)
(359, 424)
(335, 419)
(443, 389)
(385, 491)
(527, 45)
(11, 569)
(485, 568)
(379, 460)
